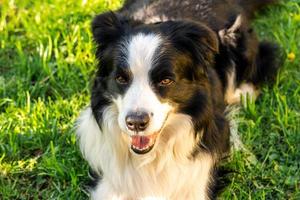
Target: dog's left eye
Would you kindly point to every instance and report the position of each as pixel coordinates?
(121, 80)
(166, 82)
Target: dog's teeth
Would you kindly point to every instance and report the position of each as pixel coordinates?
(141, 149)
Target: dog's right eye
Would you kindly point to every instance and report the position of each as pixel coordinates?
(166, 82)
(121, 79)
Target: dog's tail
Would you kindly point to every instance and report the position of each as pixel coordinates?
(250, 6)
(268, 62)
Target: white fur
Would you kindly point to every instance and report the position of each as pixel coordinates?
(141, 57)
(247, 92)
(244, 92)
(232, 116)
(230, 96)
(166, 172)
(235, 140)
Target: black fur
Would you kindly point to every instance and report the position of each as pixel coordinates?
(268, 63)
(193, 54)
(190, 52)
(254, 60)
(94, 178)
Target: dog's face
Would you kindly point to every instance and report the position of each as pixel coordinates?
(150, 72)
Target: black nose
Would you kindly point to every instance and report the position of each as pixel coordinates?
(137, 121)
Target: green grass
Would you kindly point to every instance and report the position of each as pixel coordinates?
(46, 61)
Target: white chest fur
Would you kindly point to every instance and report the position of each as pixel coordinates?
(166, 172)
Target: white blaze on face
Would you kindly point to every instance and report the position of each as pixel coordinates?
(140, 96)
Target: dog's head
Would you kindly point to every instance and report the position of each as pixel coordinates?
(149, 72)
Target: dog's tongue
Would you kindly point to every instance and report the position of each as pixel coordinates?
(140, 141)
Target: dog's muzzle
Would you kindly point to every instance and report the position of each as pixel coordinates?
(142, 144)
(138, 122)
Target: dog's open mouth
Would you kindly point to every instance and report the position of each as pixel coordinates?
(142, 144)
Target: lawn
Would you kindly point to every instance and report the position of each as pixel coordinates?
(46, 61)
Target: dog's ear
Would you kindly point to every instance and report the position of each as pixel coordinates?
(229, 36)
(195, 39)
(108, 28)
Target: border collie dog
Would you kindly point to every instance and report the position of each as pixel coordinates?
(156, 127)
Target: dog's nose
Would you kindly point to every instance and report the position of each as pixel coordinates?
(137, 121)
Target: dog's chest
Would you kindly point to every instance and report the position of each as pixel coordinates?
(169, 181)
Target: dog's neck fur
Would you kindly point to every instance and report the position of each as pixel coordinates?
(155, 174)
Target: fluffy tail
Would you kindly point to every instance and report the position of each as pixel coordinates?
(250, 6)
(268, 61)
